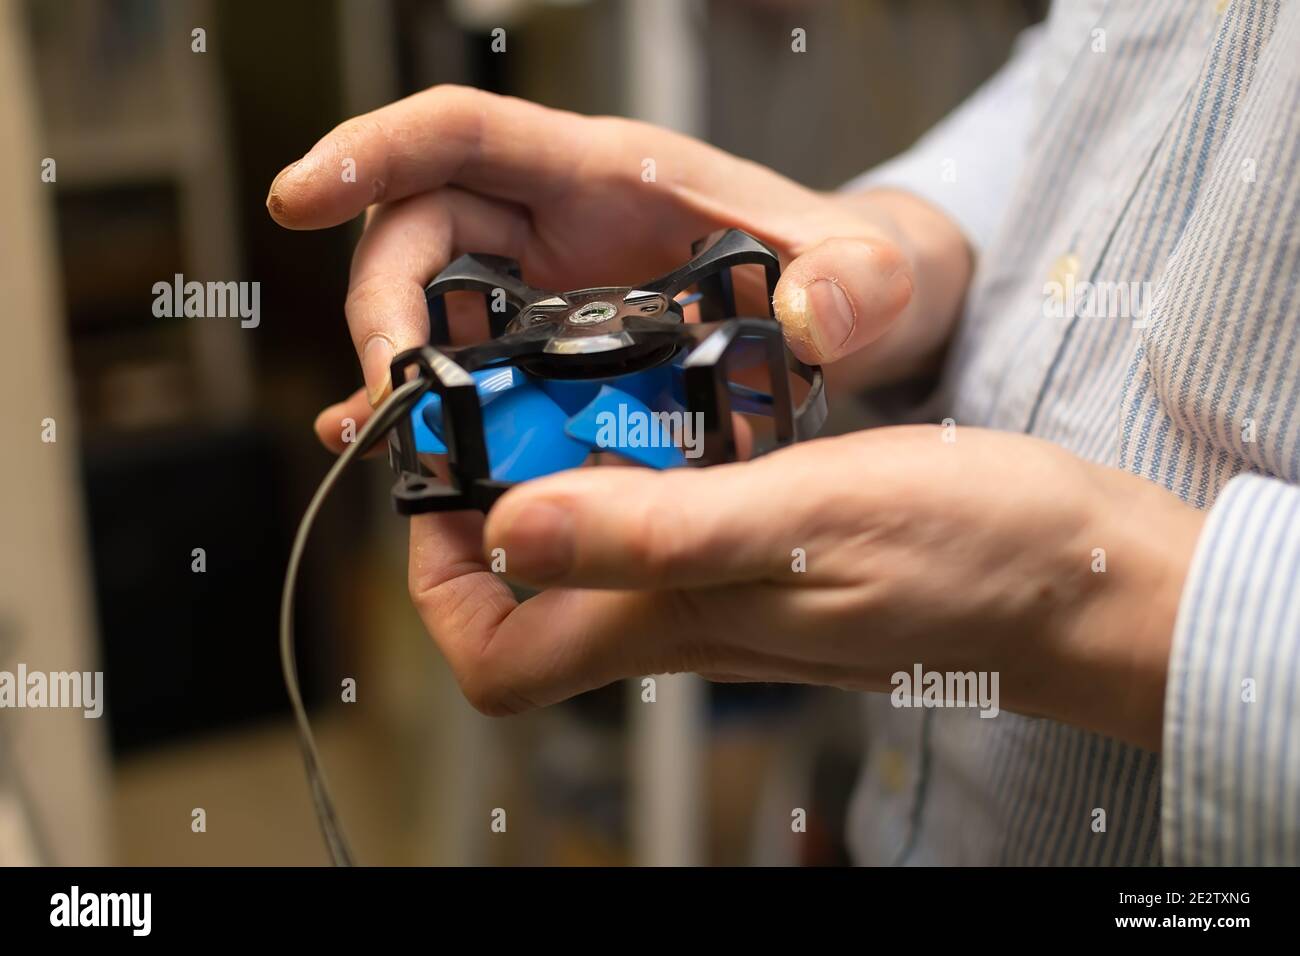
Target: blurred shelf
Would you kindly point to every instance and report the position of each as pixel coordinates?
(128, 105)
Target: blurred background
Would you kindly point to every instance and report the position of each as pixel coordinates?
(180, 434)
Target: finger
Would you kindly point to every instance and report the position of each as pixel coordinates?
(448, 134)
(841, 295)
(340, 423)
(506, 656)
(404, 246)
(567, 641)
(460, 600)
(518, 151)
(635, 528)
(743, 432)
(509, 657)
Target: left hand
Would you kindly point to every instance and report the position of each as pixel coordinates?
(977, 554)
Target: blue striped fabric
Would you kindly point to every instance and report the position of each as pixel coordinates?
(1160, 156)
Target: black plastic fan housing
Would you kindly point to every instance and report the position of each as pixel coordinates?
(563, 375)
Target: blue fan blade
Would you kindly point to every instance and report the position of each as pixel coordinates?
(654, 387)
(620, 422)
(572, 395)
(526, 436)
(749, 400)
(428, 409)
(494, 382)
(523, 427)
(426, 416)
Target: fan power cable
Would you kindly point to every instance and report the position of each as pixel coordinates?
(389, 412)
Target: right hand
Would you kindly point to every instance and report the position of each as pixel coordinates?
(454, 170)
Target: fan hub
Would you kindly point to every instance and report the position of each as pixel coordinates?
(592, 313)
(604, 326)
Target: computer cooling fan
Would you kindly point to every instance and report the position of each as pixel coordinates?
(536, 397)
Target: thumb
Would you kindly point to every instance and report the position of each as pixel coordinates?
(840, 295)
(636, 528)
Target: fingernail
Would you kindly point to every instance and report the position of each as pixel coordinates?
(539, 542)
(832, 317)
(376, 366)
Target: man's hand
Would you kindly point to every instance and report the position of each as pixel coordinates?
(973, 555)
(585, 201)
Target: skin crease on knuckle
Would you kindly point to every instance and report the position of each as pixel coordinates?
(377, 287)
(451, 614)
(805, 636)
(690, 643)
(462, 115)
(654, 539)
(448, 606)
(499, 680)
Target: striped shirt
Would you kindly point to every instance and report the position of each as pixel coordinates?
(1130, 182)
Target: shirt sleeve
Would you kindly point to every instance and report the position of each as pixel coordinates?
(1231, 769)
(967, 164)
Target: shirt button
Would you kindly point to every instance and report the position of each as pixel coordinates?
(893, 770)
(1064, 273)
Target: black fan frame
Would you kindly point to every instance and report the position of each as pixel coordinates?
(536, 330)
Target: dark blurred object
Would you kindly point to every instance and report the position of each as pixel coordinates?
(185, 650)
(115, 242)
(834, 772)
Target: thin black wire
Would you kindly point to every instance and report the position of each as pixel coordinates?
(385, 417)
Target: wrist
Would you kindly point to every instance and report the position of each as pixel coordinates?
(1112, 644)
